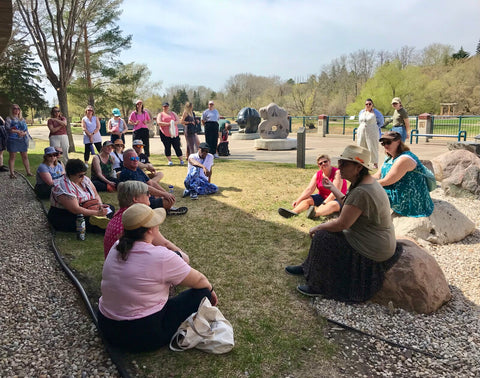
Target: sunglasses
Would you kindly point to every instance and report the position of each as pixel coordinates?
(386, 142)
(322, 162)
(56, 111)
(134, 158)
(89, 110)
(119, 145)
(368, 103)
(394, 103)
(59, 152)
(53, 155)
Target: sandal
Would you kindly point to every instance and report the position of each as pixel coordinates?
(286, 213)
(13, 176)
(177, 210)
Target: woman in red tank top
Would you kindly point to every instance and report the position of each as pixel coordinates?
(323, 203)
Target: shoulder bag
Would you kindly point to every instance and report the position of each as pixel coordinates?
(207, 330)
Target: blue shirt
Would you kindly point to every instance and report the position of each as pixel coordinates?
(211, 115)
(128, 174)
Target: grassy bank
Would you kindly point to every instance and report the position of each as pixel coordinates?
(240, 242)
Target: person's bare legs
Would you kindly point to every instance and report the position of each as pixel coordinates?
(327, 208)
(11, 164)
(303, 205)
(157, 176)
(26, 162)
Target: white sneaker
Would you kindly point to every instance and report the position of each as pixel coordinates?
(216, 156)
(170, 163)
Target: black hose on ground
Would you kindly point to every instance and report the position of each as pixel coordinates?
(114, 353)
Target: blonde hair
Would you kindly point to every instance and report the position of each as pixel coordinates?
(88, 108)
(323, 156)
(20, 117)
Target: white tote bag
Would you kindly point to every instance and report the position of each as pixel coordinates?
(173, 129)
(207, 330)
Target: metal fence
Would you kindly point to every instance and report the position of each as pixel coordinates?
(452, 125)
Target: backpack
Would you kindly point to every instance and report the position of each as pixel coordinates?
(223, 149)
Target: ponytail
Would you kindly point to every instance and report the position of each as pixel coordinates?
(127, 240)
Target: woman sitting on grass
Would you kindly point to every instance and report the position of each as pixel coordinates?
(349, 255)
(75, 194)
(48, 171)
(135, 312)
(323, 203)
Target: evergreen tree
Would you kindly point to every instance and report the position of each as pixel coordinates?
(460, 54)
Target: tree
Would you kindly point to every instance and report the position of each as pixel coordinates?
(436, 54)
(478, 47)
(56, 29)
(460, 54)
(20, 75)
(179, 100)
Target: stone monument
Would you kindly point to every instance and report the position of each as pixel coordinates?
(274, 129)
(248, 120)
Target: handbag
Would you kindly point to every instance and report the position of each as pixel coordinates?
(207, 330)
(172, 129)
(92, 204)
(428, 174)
(30, 141)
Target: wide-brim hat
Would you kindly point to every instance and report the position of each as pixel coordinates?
(116, 112)
(356, 154)
(140, 215)
(49, 151)
(390, 135)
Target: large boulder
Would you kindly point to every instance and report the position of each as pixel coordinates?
(445, 225)
(445, 164)
(415, 283)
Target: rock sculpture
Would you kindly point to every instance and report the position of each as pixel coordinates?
(415, 283)
(248, 120)
(275, 122)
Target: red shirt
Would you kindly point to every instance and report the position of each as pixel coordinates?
(324, 192)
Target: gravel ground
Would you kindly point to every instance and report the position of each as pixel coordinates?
(449, 339)
(44, 329)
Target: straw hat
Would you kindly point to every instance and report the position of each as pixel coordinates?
(140, 215)
(356, 154)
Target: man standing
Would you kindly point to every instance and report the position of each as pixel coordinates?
(159, 197)
(199, 173)
(210, 119)
(144, 162)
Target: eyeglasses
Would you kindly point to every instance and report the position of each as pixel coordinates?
(394, 103)
(134, 158)
(322, 162)
(368, 103)
(16, 108)
(89, 110)
(81, 175)
(119, 145)
(56, 111)
(386, 142)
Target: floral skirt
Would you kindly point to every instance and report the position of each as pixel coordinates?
(337, 271)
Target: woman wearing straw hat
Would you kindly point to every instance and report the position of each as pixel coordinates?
(349, 255)
(135, 311)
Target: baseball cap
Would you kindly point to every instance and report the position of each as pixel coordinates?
(204, 146)
(165, 104)
(396, 100)
(137, 142)
(211, 102)
(391, 135)
(138, 101)
(116, 112)
(107, 143)
(140, 215)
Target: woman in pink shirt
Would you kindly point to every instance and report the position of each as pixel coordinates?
(135, 312)
(139, 118)
(164, 120)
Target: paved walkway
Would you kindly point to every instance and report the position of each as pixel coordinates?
(332, 145)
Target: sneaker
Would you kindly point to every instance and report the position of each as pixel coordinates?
(182, 162)
(286, 213)
(170, 163)
(186, 193)
(311, 212)
(294, 270)
(86, 165)
(216, 156)
(100, 222)
(4, 168)
(193, 196)
(177, 210)
(305, 290)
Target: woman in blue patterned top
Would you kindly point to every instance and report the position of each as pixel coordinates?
(17, 140)
(402, 178)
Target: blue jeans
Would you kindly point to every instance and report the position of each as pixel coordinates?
(402, 131)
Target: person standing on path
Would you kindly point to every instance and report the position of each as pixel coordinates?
(139, 118)
(368, 131)
(210, 119)
(57, 124)
(400, 121)
(91, 133)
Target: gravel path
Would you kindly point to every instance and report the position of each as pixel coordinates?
(450, 337)
(44, 329)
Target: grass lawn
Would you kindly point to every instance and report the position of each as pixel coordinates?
(238, 240)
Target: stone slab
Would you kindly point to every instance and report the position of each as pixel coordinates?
(276, 144)
(469, 146)
(245, 136)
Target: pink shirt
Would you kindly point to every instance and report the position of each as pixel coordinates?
(164, 117)
(324, 192)
(114, 231)
(138, 287)
(54, 122)
(142, 119)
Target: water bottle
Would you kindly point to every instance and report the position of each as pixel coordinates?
(170, 189)
(81, 228)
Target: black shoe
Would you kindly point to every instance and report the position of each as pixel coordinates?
(286, 213)
(294, 270)
(3, 168)
(305, 290)
(177, 210)
(311, 212)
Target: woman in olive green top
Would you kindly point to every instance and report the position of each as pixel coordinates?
(400, 121)
(349, 255)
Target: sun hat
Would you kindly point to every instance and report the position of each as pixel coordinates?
(49, 151)
(140, 215)
(107, 143)
(390, 135)
(396, 100)
(356, 154)
(137, 142)
(204, 146)
(116, 112)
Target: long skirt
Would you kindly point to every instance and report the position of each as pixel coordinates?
(337, 271)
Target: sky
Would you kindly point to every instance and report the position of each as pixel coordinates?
(206, 42)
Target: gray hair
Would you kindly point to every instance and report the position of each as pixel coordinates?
(128, 190)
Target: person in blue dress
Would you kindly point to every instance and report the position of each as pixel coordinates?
(402, 177)
(17, 139)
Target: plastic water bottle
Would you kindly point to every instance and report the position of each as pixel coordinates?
(81, 228)
(170, 189)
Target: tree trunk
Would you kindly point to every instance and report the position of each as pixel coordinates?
(91, 99)
(62, 100)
